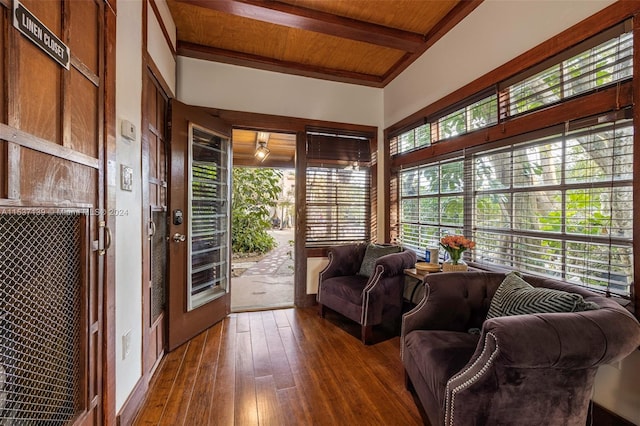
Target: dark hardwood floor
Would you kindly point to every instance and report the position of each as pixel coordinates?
(281, 367)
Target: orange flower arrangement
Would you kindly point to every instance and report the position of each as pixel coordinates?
(455, 245)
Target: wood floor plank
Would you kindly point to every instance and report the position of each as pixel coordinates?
(269, 408)
(242, 322)
(308, 375)
(280, 315)
(246, 409)
(259, 349)
(160, 387)
(223, 403)
(281, 371)
(281, 367)
(294, 406)
(201, 398)
(177, 404)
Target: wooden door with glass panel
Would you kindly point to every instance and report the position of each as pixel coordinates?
(199, 230)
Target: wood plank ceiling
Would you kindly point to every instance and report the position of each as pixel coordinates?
(281, 146)
(366, 42)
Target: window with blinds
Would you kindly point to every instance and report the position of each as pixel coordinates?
(559, 206)
(555, 202)
(431, 203)
(338, 191)
(598, 62)
(418, 137)
(477, 114)
(474, 116)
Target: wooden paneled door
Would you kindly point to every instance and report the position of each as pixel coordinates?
(53, 234)
(199, 230)
(154, 199)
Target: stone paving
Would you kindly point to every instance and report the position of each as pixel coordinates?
(268, 283)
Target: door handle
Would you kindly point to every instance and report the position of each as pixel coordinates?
(179, 237)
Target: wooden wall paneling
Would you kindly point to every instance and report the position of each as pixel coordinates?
(40, 112)
(10, 60)
(3, 97)
(13, 171)
(84, 35)
(83, 100)
(50, 180)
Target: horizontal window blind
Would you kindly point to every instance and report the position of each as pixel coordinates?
(337, 206)
(338, 186)
(476, 115)
(559, 206)
(418, 137)
(594, 67)
(431, 203)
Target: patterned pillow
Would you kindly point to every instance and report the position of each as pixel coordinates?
(515, 296)
(372, 253)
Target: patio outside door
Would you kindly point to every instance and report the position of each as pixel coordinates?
(199, 228)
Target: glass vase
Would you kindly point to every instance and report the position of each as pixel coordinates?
(449, 266)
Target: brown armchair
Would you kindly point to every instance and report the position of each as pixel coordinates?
(367, 300)
(526, 369)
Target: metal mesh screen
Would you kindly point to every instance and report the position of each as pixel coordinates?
(159, 266)
(40, 291)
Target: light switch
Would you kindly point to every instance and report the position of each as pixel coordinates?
(126, 178)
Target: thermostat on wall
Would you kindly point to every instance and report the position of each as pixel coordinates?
(128, 130)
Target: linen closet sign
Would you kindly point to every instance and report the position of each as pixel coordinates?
(38, 33)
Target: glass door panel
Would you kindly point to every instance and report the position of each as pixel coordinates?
(208, 274)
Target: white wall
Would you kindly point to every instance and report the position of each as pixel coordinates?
(237, 88)
(128, 237)
(157, 44)
(493, 34)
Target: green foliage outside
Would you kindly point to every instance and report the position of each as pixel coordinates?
(255, 191)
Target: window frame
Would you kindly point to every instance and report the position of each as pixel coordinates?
(602, 101)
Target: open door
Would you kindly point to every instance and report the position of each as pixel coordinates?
(199, 222)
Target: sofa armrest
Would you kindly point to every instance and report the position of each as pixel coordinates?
(564, 340)
(395, 263)
(344, 260)
(551, 357)
(386, 285)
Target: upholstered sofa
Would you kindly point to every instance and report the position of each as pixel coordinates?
(364, 287)
(527, 369)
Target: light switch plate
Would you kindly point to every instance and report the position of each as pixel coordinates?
(126, 178)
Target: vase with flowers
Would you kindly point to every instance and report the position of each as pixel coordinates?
(455, 245)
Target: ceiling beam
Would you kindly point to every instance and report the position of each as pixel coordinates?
(215, 54)
(311, 20)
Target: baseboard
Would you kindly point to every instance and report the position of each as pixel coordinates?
(133, 403)
(306, 301)
(600, 416)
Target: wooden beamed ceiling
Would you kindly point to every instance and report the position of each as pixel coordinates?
(367, 42)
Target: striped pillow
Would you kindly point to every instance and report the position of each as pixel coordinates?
(517, 297)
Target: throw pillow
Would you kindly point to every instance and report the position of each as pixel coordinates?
(515, 296)
(372, 253)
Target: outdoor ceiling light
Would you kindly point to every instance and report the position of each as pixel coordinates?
(262, 152)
